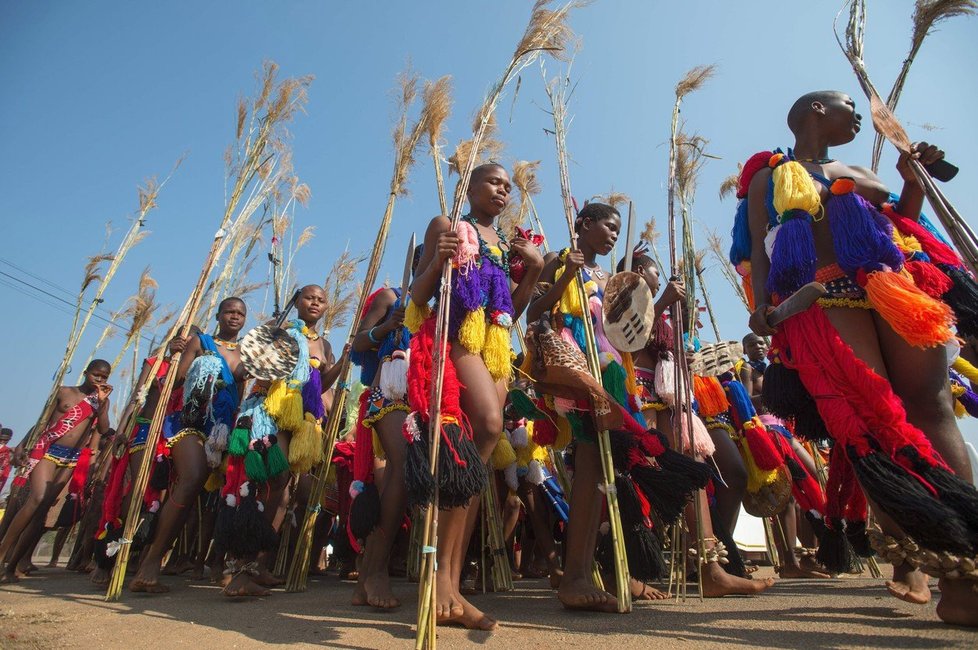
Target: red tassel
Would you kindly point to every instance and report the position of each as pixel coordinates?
(80, 474)
(928, 278)
(761, 446)
(363, 449)
(544, 432)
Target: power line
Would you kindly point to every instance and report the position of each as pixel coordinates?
(58, 298)
(72, 295)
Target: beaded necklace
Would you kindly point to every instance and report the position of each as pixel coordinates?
(227, 345)
(500, 261)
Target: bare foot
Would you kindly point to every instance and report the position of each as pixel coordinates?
(377, 588)
(100, 577)
(909, 585)
(448, 605)
(140, 586)
(642, 591)
(53, 564)
(198, 572)
(9, 578)
(266, 578)
(242, 586)
(796, 571)
(717, 583)
(959, 602)
(176, 568)
(216, 574)
(556, 575)
(581, 594)
(472, 617)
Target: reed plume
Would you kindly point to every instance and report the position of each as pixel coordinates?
(526, 181)
(341, 290)
(438, 104)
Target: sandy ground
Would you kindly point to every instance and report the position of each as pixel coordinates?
(60, 609)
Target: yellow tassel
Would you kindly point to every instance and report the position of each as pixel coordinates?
(564, 434)
(472, 333)
(964, 366)
(628, 363)
(378, 447)
(306, 446)
(497, 352)
(415, 315)
(794, 189)
(918, 318)
(503, 455)
(756, 477)
(215, 481)
(275, 399)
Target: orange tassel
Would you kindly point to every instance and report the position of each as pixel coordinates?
(918, 318)
(710, 396)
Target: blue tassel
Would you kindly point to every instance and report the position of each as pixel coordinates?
(739, 400)
(793, 258)
(860, 241)
(740, 245)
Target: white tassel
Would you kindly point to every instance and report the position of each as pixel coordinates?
(511, 478)
(243, 490)
(665, 377)
(230, 500)
(393, 375)
(535, 473)
(214, 456)
(519, 437)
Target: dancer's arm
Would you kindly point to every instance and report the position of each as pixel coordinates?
(760, 265)
(533, 263)
(545, 302)
(440, 245)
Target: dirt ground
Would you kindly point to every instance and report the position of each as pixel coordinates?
(55, 608)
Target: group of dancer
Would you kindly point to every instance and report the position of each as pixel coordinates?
(865, 380)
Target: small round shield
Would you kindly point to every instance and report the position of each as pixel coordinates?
(628, 312)
(269, 353)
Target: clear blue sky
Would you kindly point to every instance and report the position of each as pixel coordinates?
(99, 95)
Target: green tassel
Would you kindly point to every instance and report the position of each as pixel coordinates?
(238, 442)
(276, 461)
(613, 380)
(524, 406)
(255, 467)
(577, 427)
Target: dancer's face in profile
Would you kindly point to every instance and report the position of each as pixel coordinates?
(489, 190)
(839, 121)
(650, 274)
(602, 234)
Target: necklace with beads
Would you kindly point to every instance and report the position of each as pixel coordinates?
(227, 345)
(308, 333)
(501, 261)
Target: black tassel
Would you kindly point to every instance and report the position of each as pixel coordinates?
(817, 523)
(160, 478)
(858, 539)
(621, 444)
(783, 393)
(458, 481)
(696, 474)
(810, 426)
(835, 552)
(933, 524)
(365, 512)
(962, 297)
(417, 470)
(667, 492)
(956, 493)
(102, 560)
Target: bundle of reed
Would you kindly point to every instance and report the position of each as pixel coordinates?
(107, 333)
(557, 92)
(526, 181)
(405, 141)
(715, 244)
(547, 31)
(502, 574)
(147, 196)
(885, 122)
(650, 235)
(255, 148)
(684, 163)
(140, 308)
(926, 14)
(438, 99)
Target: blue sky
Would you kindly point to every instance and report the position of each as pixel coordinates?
(100, 95)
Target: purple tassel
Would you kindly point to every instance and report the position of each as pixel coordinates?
(861, 241)
(312, 395)
(497, 289)
(467, 296)
(793, 257)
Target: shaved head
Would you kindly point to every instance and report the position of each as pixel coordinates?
(802, 107)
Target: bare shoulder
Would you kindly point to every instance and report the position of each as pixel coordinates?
(439, 224)
(551, 262)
